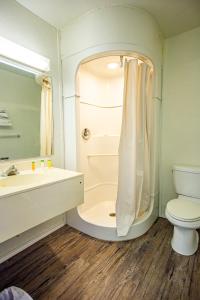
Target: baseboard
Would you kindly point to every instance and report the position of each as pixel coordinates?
(162, 215)
(28, 238)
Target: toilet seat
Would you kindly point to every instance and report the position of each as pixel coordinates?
(184, 209)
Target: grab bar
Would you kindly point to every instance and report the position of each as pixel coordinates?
(91, 104)
(99, 106)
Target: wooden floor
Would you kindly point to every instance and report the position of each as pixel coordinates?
(70, 265)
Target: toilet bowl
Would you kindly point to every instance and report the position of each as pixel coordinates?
(184, 212)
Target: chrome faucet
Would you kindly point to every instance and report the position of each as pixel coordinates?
(12, 170)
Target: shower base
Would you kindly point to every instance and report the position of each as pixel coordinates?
(100, 214)
(96, 217)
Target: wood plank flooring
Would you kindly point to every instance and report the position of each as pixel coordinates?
(71, 265)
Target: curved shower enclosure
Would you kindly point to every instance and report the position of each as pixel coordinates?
(100, 118)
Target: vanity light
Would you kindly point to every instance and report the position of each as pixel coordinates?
(24, 56)
(113, 66)
(20, 66)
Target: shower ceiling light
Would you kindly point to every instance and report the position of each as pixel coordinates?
(113, 66)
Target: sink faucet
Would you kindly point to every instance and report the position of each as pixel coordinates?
(12, 170)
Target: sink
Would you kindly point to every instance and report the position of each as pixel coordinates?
(21, 180)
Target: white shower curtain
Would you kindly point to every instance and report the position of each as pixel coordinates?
(133, 197)
(46, 120)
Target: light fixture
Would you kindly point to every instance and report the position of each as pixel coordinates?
(21, 55)
(19, 66)
(113, 65)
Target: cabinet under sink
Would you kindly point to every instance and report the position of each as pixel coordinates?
(31, 198)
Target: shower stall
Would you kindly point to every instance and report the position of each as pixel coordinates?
(99, 110)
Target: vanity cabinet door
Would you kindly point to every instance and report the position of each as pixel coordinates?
(26, 210)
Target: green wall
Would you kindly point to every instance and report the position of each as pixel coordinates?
(180, 108)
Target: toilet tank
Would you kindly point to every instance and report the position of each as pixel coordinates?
(187, 180)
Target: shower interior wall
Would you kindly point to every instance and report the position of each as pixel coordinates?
(98, 157)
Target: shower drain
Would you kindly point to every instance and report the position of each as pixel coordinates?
(112, 214)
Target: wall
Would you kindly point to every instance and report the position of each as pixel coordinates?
(180, 108)
(111, 25)
(24, 28)
(20, 96)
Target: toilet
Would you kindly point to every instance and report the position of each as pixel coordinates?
(184, 211)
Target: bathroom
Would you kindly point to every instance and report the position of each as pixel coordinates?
(71, 234)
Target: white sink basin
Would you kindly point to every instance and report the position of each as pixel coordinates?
(29, 179)
(21, 180)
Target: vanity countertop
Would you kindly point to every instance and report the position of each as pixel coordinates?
(28, 180)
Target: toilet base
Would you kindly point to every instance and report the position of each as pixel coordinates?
(185, 241)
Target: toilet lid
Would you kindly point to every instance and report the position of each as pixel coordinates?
(184, 209)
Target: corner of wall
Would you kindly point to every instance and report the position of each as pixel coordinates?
(161, 212)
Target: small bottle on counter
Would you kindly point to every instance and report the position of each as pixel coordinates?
(49, 163)
(33, 165)
(42, 163)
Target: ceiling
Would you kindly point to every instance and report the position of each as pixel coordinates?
(173, 16)
(99, 67)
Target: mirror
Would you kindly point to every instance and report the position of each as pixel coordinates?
(21, 133)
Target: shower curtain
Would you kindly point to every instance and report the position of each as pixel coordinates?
(46, 120)
(133, 198)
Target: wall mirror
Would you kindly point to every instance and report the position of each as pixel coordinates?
(26, 127)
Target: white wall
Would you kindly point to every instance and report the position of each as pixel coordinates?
(180, 108)
(111, 25)
(24, 28)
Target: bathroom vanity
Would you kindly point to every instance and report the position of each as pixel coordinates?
(33, 197)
